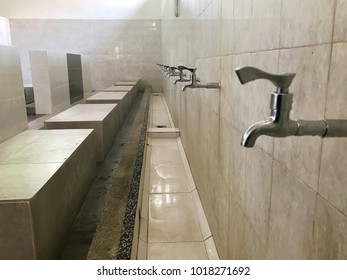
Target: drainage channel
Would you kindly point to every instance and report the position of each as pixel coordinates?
(83, 231)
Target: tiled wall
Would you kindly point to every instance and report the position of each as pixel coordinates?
(285, 198)
(12, 104)
(87, 84)
(5, 34)
(118, 49)
(50, 81)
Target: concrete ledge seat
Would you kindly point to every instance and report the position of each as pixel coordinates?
(44, 179)
(103, 118)
(130, 83)
(119, 88)
(107, 97)
(122, 99)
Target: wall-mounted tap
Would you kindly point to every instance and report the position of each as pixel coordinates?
(279, 123)
(181, 75)
(164, 68)
(174, 72)
(195, 82)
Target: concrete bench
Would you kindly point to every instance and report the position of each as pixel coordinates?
(103, 118)
(131, 83)
(122, 99)
(132, 89)
(105, 97)
(119, 88)
(44, 179)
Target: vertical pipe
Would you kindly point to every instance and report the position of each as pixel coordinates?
(177, 8)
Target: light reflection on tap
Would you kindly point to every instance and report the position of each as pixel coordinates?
(279, 123)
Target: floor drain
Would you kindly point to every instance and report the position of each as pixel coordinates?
(161, 126)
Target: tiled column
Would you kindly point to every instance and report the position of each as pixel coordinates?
(50, 81)
(13, 117)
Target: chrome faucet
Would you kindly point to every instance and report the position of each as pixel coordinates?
(173, 72)
(181, 75)
(279, 123)
(164, 68)
(195, 82)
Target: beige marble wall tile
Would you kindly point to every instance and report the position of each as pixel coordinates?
(205, 229)
(208, 70)
(220, 204)
(236, 229)
(242, 25)
(239, 106)
(302, 154)
(189, 9)
(258, 192)
(265, 25)
(203, 5)
(226, 94)
(227, 23)
(330, 232)
(253, 246)
(291, 217)
(333, 177)
(225, 143)
(311, 65)
(238, 170)
(337, 92)
(340, 26)
(210, 30)
(307, 22)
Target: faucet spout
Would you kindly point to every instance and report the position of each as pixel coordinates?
(256, 130)
(276, 127)
(186, 86)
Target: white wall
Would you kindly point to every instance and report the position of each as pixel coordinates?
(13, 118)
(119, 50)
(81, 9)
(50, 81)
(5, 34)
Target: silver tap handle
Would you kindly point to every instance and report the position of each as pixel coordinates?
(181, 68)
(281, 81)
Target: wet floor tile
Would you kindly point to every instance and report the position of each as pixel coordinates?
(168, 178)
(172, 218)
(177, 251)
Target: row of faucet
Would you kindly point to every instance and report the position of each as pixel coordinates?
(279, 123)
(172, 71)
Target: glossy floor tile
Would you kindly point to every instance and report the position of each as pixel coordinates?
(177, 251)
(168, 178)
(159, 113)
(172, 218)
(175, 225)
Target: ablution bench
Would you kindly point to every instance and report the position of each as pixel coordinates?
(44, 179)
(103, 118)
